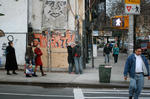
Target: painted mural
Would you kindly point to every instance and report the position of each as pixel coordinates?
(58, 39)
(19, 41)
(55, 12)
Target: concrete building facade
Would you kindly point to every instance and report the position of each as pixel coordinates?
(54, 23)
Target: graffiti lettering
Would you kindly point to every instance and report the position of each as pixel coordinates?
(58, 39)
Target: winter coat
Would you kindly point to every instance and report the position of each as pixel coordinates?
(116, 50)
(38, 54)
(11, 62)
(107, 50)
(76, 52)
(131, 65)
(70, 57)
(29, 53)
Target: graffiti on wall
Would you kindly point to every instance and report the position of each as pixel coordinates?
(57, 39)
(55, 8)
(5, 44)
(55, 12)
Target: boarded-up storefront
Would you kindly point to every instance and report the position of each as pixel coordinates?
(53, 46)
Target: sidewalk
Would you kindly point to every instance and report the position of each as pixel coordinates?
(89, 78)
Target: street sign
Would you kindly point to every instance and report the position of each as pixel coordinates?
(132, 1)
(95, 33)
(132, 9)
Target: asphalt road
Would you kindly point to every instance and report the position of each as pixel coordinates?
(36, 92)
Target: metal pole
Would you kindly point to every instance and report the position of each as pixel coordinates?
(92, 49)
(130, 34)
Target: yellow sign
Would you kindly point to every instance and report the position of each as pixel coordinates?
(123, 22)
(132, 1)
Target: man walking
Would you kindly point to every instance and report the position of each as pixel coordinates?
(106, 52)
(134, 66)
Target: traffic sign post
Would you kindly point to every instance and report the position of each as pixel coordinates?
(132, 7)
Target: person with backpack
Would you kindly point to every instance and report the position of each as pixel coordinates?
(77, 58)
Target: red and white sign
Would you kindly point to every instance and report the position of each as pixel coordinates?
(129, 8)
(132, 8)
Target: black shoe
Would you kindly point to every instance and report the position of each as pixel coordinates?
(8, 74)
(15, 73)
(34, 75)
(43, 74)
(130, 97)
(28, 76)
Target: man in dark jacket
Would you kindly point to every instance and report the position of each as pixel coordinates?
(135, 67)
(11, 63)
(77, 58)
(106, 52)
(70, 57)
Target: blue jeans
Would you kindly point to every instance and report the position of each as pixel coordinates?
(70, 68)
(78, 65)
(136, 85)
(107, 58)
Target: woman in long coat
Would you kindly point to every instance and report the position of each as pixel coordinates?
(11, 62)
(70, 57)
(38, 61)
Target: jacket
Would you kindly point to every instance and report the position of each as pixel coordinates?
(116, 50)
(131, 64)
(106, 50)
(38, 60)
(76, 50)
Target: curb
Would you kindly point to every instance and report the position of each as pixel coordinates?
(74, 85)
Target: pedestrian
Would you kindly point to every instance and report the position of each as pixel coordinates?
(29, 55)
(38, 61)
(106, 52)
(77, 58)
(134, 66)
(70, 58)
(115, 53)
(29, 58)
(11, 62)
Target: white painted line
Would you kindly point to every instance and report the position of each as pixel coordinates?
(104, 92)
(106, 97)
(35, 95)
(113, 93)
(78, 93)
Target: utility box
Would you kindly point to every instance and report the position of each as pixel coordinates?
(104, 73)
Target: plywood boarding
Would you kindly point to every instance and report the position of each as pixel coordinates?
(44, 57)
(59, 58)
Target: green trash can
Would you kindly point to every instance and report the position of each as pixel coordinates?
(104, 73)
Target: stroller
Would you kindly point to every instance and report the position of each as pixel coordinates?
(29, 69)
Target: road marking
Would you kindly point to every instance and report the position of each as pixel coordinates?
(106, 97)
(115, 92)
(35, 95)
(78, 93)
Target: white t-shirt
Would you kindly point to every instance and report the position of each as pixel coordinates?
(139, 63)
